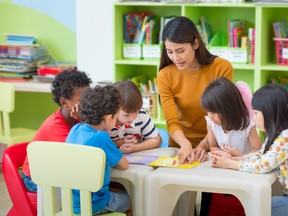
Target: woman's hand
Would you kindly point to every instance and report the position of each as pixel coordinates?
(200, 154)
(186, 153)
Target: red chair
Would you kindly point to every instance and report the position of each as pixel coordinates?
(24, 202)
(225, 205)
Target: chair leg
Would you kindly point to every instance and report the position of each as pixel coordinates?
(12, 212)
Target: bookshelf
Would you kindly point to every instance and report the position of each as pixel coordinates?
(260, 16)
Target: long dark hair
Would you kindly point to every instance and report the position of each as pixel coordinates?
(182, 30)
(272, 101)
(222, 97)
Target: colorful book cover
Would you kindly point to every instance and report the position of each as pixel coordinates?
(131, 24)
(140, 159)
(165, 161)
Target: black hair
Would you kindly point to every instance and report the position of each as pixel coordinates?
(183, 30)
(272, 101)
(97, 102)
(222, 97)
(65, 82)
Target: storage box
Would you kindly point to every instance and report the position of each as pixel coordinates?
(132, 51)
(281, 50)
(219, 46)
(151, 51)
(150, 103)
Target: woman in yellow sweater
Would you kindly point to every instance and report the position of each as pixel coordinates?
(186, 69)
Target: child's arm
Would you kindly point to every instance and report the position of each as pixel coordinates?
(146, 144)
(126, 139)
(211, 140)
(254, 140)
(123, 163)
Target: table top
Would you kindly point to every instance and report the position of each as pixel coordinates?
(35, 86)
(205, 174)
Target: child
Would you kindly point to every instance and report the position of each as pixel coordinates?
(67, 88)
(134, 130)
(99, 108)
(228, 124)
(270, 105)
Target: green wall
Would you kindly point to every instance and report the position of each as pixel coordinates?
(31, 109)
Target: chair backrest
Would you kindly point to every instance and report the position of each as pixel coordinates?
(7, 105)
(68, 166)
(13, 159)
(165, 137)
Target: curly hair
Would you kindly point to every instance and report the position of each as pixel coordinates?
(66, 81)
(97, 102)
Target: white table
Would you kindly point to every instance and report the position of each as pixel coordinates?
(164, 186)
(132, 179)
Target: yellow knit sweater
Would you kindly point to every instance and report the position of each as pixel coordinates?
(180, 92)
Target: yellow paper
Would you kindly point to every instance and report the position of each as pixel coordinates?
(165, 161)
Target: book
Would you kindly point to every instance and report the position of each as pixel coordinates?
(163, 22)
(140, 159)
(165, 161)
(206, 32)
(20, 39)
(132, 24)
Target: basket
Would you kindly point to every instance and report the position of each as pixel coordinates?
(281, 50)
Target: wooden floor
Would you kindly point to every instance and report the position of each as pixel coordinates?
(5, 202)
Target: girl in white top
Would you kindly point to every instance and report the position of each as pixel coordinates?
(229, 127)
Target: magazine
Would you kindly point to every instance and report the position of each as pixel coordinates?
(159, 161)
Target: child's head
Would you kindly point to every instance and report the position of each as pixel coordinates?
(100, 103)
(223, 101)
(132, 101)
(270, 105)
(68, 86)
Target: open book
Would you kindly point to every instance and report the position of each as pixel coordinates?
(159, 161)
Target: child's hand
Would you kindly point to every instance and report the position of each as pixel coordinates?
(130, 139)
(74, 113)
(223, 160)
(231, 150)
(127, 148)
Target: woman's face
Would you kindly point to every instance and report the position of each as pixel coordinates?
(259, 120)
(182, 55)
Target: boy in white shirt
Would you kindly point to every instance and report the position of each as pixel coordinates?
(134, 130)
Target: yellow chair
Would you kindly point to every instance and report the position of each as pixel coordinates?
(8, 135)
(67, 166)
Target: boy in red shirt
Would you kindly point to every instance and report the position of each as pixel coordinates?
(66, 89)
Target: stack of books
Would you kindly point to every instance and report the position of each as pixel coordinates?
(20, 62)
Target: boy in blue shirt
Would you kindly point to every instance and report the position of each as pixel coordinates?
(99, 109)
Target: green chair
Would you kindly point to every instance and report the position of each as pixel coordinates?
(67, 166)
(8, 135)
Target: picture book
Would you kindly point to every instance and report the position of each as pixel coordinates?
(140, 159)
(172, 162)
